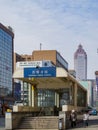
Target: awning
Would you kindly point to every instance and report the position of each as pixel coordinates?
(60, 79)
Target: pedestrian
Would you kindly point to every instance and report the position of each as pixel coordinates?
(85, 119)
(73, 118)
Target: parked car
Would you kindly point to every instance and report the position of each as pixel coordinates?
(90, 110)
(93, 112)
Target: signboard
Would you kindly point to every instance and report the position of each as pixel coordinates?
(25, 64)
(40, 72)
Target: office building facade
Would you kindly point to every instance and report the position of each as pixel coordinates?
(6, 61)
(96, 89)
(80, 63)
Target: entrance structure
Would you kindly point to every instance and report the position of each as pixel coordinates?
(51, 87)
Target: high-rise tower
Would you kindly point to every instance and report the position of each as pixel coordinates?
(80, 63)
(6, 61)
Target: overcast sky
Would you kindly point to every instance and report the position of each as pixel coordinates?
(58, 24)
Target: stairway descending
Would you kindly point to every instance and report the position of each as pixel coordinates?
(42, 122)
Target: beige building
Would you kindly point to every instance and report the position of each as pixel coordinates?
(62, 89)
(51, 55)
(17, 58)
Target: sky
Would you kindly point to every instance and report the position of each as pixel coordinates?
(57, 24)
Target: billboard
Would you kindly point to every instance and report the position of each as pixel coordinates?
(40, 72)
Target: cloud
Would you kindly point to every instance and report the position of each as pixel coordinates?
(57, 24)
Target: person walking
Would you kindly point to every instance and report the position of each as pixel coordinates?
(85, 119)
(73, 118)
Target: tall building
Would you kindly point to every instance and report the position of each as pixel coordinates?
(96, 89)
(6, 61)
(80, 63)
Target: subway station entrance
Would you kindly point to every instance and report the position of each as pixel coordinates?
(51, 87)
(50, 93)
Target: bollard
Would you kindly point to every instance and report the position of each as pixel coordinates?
(60, 124)
(8, 120)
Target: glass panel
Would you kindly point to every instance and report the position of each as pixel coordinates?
(5, 63)
(46, 98)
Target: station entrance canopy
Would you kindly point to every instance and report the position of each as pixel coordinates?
(46, 77)
(67, 89)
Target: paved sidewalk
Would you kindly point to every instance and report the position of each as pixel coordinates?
(93, 124)
(2, 128)
(2, 121)
(87, 128)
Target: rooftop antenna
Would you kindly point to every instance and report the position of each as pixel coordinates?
(40, 46)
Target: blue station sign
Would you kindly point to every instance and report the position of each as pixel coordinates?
(40, 72)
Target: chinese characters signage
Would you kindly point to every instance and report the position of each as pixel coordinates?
(40, 72)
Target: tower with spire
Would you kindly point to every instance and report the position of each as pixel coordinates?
(80, 63)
